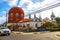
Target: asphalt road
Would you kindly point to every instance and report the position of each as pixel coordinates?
(44, 36)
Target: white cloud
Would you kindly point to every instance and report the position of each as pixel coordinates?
(29, 6)
(24, 1)
(48, 13)
(2, 19)
(3, 11)
(57, 11)
(46, 3)
(12, 2)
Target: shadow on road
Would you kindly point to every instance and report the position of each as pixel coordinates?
(3, 35)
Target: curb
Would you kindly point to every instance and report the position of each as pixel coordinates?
(28, 33)
(16, 32)
(20, 33)
(58, 35)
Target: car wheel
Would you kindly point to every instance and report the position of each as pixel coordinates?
(0, 34)
(9, 34)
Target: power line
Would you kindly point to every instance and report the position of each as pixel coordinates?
(44, 9)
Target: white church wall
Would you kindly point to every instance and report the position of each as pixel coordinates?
(32, 24)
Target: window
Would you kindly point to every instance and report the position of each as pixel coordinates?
(21, 15)
(36, 25)
(11, 15)
(17, 15)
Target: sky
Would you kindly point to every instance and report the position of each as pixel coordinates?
(28, 6)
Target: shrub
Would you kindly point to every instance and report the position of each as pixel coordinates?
(53, 29)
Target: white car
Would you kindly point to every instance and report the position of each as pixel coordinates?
(4, 30)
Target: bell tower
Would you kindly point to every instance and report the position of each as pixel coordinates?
(52, 16)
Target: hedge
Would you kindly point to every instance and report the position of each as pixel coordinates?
(53, 29)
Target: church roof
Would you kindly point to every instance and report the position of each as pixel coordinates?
(52, 15)
(27, 20)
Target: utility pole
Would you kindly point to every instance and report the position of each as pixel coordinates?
(6, 18)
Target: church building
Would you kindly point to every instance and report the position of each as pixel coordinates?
(16, 16)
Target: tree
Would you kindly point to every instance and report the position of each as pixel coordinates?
(0, 25)
(58, 25)
(10, 26)
(57, 19)
(49, 24)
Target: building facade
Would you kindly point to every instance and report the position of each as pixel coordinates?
(16, 17)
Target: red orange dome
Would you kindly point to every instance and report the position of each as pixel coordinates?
(15, 14)
(16, 9)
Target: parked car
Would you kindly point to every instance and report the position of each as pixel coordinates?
(41, 29)
(5, 31)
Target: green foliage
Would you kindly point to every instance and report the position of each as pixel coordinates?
(0, 25)
(48, 24)
(9, 26)
(42, 26)
(57, 19)
(53, 29)
(58, 25)
(51, 26)
(31, 28)
(17, 25)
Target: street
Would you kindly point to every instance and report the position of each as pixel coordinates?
(44, 36)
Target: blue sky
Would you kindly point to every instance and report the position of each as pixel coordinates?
(28, 6)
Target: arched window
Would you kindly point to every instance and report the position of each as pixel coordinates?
(36, 25)
(11, 15)
(17, 14)
(21, 15)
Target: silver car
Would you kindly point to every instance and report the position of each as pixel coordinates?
(4, 30)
